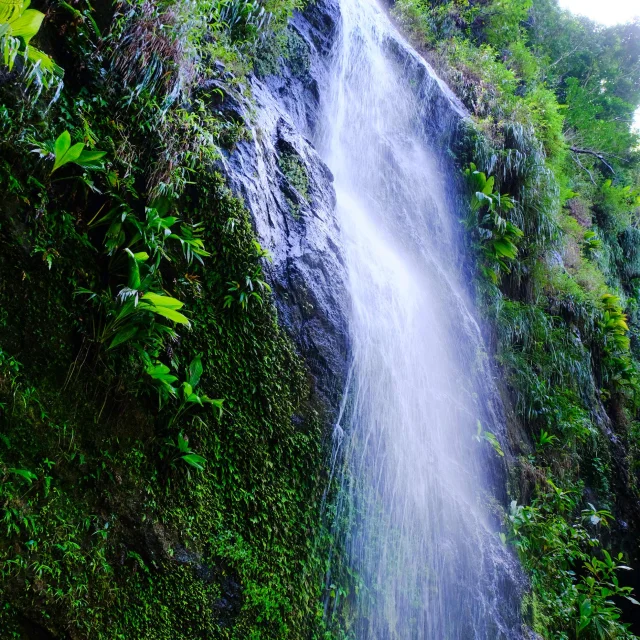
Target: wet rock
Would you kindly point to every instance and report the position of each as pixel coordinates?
(229, 604)
(32, 631)
(301, 231)
(204, 572)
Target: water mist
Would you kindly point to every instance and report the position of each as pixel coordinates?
(413, 477)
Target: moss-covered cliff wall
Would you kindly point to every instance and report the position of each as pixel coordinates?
(161, 438)
(160, 449)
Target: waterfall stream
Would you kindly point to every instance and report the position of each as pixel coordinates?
(413, 463)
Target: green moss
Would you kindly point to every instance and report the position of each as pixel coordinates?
(294, 170)
(106, 531)
(285, 47)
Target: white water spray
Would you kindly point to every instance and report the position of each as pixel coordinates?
(413, 478)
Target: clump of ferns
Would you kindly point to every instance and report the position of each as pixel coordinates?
(540, 352)
(142, 315)
(242, 20)
(158, 44)
(575, 312)
(619, 371)
(490, 222)
(150, 54)
(191, 142)
(152, 67)
(522, 167)
(518, 161)
(160, 51)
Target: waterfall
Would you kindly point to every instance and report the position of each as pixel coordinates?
(414, 458)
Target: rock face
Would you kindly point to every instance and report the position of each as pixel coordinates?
(288, 188)
(294, 218)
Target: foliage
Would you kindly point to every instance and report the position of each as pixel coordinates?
(188, 456)
(132, 293)
(242, 20)
(294, 170)
(117, 342)
(498, 236)
(18, 25)
(552, 98)
(64, 153)
(574, 580)
(489, 437)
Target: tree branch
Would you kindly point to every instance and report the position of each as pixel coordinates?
(577, 161)
(595, 154)
(566, 55)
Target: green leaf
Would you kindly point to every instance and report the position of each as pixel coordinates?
(90, 159)
(183, 443)
(10, 9)
(585, 608)
(195, 371)
(74, 153)
(62, 149)
(216, 403)
(69, 154)
(504, 248)
(493, 441)
(163, 301)
(195, 460)
(170, 314)
(62, 144)
(162, 373)
(29, 476)
(127, 309)
(194, 398)
(27, 25)
(134, 271)
(168, 221)
(123, 335)
(38, 57)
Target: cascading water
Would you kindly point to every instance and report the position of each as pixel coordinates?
(413, 476)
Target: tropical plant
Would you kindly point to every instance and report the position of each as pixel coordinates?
(597, 516)
(186, 454)
(499, 237)
(614, 324)
(546, 439)
(25, 474)
(486, 436)
(133, 315)
(63, 152)
(591, 244)
(185, 393)
(18, 25)
(554, 546)
(241, 19)
(125, 229)
(252, 286)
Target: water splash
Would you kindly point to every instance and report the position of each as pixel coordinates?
(414, 480)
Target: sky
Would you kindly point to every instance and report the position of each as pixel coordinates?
(607, 12)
